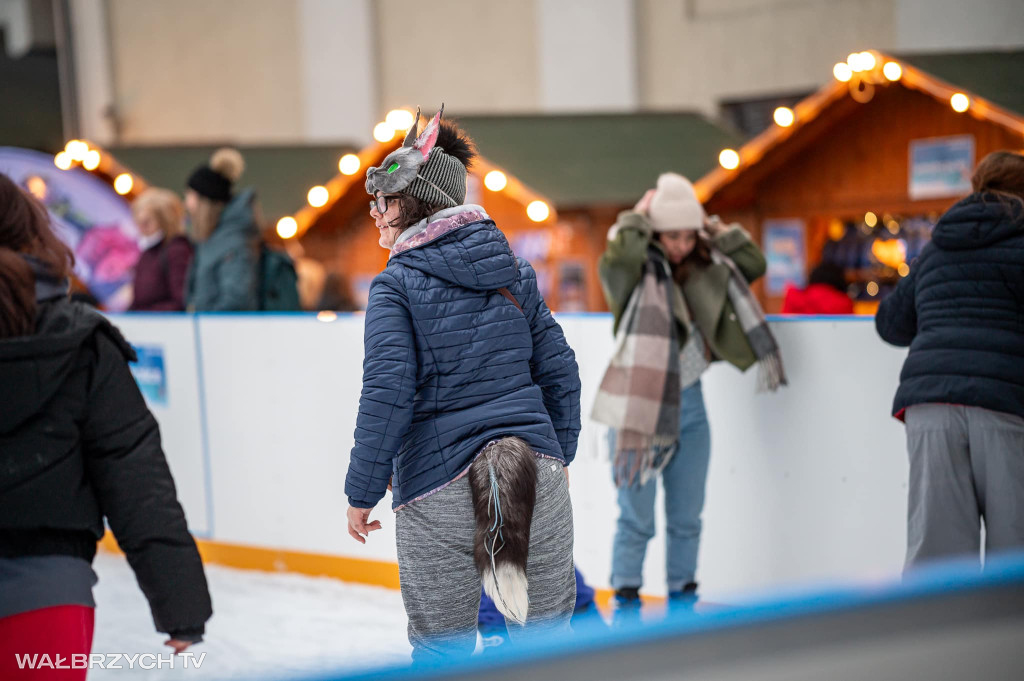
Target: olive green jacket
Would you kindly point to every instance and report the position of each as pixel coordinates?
(704, 295)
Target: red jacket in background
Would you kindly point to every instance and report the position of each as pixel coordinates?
(816, 299)
(160, 276)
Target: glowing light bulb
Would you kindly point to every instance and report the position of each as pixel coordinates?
(872, 288)
(383, 132)
(400, 119)
(123, 183)
(892, 70)
(842, 72)
(92, 160)
(870, 219)
(327, 315)
(729, 159)
(960, 102)
(36, 187)
(318, 196)
(62, 160)
(287, 227)
(538, 211)
(867, 61)
(784, 117)
(903, 269)
(349, 164)
(77, 149)
(495, 180)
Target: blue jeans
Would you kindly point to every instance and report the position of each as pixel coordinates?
(684, 479)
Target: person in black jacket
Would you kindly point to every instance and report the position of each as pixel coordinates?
(961, 393)
(77, 445)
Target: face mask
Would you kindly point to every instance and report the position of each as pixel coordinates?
(147, 242)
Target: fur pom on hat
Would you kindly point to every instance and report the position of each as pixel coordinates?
(214, 181)
(228, 162)
(674, 206)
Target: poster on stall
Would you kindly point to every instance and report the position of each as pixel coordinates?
(88, 216)
(941, 167)
(149, 374)
(785, 253)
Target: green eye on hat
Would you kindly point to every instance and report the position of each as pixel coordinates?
(392, 168)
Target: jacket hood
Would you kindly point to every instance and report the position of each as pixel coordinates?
(33, 368)
(461, 245)
(238, 219)
(978, 221)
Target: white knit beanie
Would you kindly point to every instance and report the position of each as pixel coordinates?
(674, 206)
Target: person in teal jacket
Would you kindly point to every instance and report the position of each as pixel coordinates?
(224, 273)
(707, 268)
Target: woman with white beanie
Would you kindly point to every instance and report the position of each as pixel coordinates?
(677, 284)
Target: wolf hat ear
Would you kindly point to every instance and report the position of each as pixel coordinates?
(425, 142)
(410, 137)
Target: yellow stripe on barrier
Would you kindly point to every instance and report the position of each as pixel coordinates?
(372, 572)
(357, 570)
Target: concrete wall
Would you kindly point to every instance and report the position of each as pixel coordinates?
(952, 25)
(693, 54)
(473, 56)
(265, 71)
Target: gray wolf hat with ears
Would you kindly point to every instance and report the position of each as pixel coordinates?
(430, 165)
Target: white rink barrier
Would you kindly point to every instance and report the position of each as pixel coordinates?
(807, 484)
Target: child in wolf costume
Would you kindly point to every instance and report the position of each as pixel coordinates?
(470, 406)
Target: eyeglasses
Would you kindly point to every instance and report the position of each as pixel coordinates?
(380, 203)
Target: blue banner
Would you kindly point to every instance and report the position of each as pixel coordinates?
(941, 166)
(150, 375)
(784, 250)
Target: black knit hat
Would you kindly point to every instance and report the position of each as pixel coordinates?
(215, 179)
(211, 184)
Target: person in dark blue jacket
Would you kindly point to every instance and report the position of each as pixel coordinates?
(470, 408)
(961, 393)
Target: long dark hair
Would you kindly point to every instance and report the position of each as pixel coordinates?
(17, 295)
(25, 230)
(698, 259)
(1001, 173)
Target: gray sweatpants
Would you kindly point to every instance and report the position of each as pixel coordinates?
(439, 579)
(966, 466)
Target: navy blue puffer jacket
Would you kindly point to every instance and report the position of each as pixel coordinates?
(451, 364)
(961, 311)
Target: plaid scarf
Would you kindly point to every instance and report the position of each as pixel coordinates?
(640, 393)
(639, 396)
(770, 372)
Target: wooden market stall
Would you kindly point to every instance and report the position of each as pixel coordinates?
(334, 227)
(587, 167)
(858, 173)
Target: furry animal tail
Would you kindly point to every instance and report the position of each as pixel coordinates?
(504, 484)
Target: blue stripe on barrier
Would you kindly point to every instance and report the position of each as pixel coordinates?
(952, 577)
(204, 428)
(312, 316)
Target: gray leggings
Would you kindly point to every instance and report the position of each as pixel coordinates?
(440, 582)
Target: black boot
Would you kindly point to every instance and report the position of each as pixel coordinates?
(627, 607)
(683, 601)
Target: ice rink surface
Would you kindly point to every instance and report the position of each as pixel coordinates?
(264, 625)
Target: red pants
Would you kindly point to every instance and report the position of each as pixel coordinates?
(64, 630)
